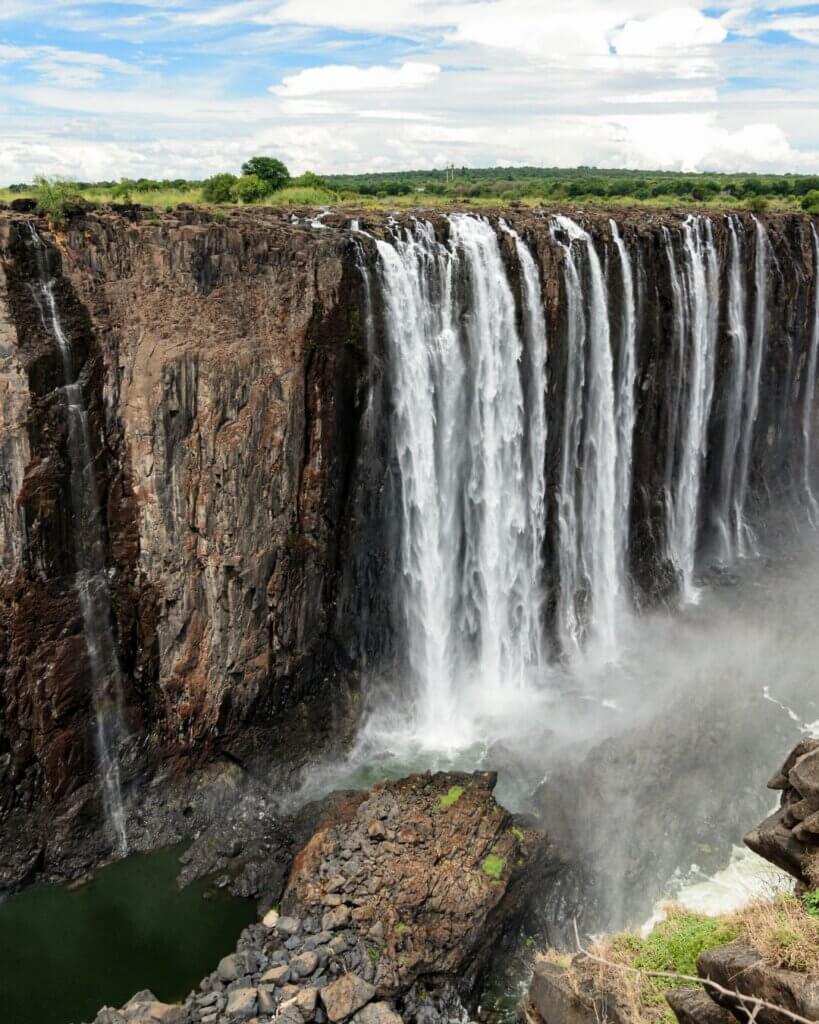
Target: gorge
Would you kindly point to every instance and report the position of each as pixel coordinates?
(300, 496)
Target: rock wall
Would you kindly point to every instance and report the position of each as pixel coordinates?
(239, 408)
(224, 377)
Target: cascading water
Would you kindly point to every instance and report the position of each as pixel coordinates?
(745, 541)
(470, 450)
(90, 580)
(626, 408)
(589, 570)
(808, 412)
(727, 525)
(699, 291)
(464, 317)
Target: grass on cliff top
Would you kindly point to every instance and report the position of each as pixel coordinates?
(784, 930)
(295, 195)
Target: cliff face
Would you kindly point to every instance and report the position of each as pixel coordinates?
(239, 397)
(224, 384)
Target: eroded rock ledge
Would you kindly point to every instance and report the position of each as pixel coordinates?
(391, 913)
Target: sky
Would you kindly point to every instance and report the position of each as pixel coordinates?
(94, 89)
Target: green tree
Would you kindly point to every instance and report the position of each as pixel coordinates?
(250, 188)
(55, 197)
(309, 180)
(271, 171)
(219, 188)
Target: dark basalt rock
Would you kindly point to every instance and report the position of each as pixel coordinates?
(739, 967)
(391, 912)
(789, 838)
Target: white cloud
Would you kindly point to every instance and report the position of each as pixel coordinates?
(341, 78)
(417, 83)
(682, 28)
(806, 29)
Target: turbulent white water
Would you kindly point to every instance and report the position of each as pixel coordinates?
(90, 580)
(698, 289)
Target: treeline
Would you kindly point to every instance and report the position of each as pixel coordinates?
(555, 183)
(267, 179)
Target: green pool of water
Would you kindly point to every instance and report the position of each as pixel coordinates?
(65, 953)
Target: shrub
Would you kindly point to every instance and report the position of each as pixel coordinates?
(269, 170)
(250, 189)
(122, 190)
(309, 180)
(759, 204)
(55, 196)
(219, 188)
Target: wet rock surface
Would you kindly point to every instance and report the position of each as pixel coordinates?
(391, 912)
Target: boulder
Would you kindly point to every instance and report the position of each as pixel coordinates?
(378, 1013)
(740, 967)
(344, 997)
(694, 1006)
(241, 1004)
(558, 1001)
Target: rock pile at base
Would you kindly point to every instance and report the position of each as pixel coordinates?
(389, 915)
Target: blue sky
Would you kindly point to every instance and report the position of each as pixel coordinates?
(189, 87)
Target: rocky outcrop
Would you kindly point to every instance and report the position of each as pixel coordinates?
(740, 968)
(789, 838)
(391, 912)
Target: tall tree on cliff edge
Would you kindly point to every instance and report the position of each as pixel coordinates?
(271, 171)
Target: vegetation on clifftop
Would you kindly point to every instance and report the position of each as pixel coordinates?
(267, 181)
(784, 930)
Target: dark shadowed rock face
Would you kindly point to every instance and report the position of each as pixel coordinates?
(239, 423)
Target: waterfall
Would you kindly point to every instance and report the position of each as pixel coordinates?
(808, 414)
(90, 580)
(535, 339)
(626, 408)
(588, 537)
(745, 542)
(471, 459)
(698, 291)
(727, 525)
